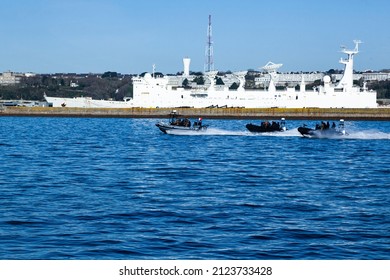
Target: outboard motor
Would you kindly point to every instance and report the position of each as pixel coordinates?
(341, 126)
(283, 124)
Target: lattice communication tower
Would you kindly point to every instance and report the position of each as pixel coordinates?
(209, 64)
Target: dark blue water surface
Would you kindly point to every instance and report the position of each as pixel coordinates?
(85, 188)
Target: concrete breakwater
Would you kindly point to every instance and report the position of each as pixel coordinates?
(211, 113)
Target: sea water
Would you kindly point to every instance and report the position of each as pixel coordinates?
(101, 188)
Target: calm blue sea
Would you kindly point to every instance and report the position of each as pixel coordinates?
(90, 188)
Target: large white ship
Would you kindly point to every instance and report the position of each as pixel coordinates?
(152, 91)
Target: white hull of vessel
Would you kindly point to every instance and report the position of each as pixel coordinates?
(259, 99)
(246, 99)
(86, 102)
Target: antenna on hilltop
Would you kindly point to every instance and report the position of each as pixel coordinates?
(209, 64)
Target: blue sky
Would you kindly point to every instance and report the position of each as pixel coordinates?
(48, 36)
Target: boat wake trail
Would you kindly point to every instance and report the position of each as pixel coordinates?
(208, 132)
(351, 134)
(358, 135)
(288, 133)
(368, 135)
(224, 132)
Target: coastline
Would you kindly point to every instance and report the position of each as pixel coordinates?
(382, 114)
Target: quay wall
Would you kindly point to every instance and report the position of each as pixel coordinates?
(210, 113)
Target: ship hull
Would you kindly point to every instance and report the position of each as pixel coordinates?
(247, 99)
(168, 128)
(86, 102)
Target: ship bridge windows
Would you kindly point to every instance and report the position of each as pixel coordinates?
(199, 95)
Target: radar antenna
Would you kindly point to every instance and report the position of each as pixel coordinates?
(357, 42)
(271, 67)
(354, 51)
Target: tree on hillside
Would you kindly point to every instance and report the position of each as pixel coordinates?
(219, 81)
(382, 88)
(110, 74)
(234, 86)
(199, 80)
(186, 83)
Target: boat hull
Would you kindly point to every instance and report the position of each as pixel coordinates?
(167, 128)
(261, 129)
(318, 133)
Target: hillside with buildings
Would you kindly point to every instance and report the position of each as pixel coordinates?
(116, 86)
(110, 85)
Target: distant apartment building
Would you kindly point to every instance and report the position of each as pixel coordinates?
(9, 78)
(283, 78)
(294, 79)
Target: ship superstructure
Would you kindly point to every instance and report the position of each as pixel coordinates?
(158, 91)
(168, 91)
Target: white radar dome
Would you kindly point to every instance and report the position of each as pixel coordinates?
(148, 76)
(327, 79)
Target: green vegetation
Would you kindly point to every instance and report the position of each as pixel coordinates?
(219, 81)
(186, 83)
(199, 80)
(110, 85)
(382, 88)
(234, 86)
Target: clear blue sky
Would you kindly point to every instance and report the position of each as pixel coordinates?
(48, 36)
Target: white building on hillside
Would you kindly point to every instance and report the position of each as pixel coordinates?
(9, 78)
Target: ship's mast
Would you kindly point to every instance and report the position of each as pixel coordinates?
(209, 64)
(346, 81)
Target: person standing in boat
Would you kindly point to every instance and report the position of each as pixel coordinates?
(200, 122)
(187, 123)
